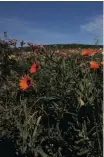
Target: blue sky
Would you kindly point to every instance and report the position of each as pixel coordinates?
(52, 22)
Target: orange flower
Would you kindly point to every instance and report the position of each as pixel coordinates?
(89, 51)
(86, 52)
(94, 65)
(35, 67)
(102, 63)
(25, 82)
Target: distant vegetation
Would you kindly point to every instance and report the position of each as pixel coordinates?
(68, 46)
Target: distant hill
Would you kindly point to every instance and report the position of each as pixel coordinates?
(74, 46)
(63, 46)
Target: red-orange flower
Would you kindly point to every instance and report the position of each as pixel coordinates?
(25, 82)
(35, 67)
(94, 65)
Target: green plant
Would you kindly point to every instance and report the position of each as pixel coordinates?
(61, 114)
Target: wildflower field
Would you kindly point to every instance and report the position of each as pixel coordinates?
(50, 103)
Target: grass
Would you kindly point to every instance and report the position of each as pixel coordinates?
(61, 115)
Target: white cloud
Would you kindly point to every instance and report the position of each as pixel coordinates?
(94, 25)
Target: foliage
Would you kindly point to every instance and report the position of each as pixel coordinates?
(61, 114)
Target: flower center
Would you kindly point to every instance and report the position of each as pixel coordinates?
(28, 82)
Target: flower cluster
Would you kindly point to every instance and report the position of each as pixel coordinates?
(14, 42)
(90, 52)
(26, 81)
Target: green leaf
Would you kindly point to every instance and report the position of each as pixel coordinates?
(84, 152)
(81, 101)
